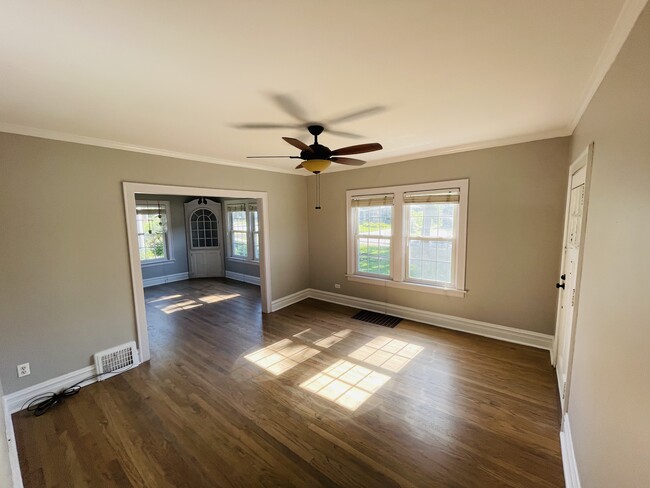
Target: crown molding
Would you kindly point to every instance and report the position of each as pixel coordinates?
(94, 141)
(617, 37)
(472, 146)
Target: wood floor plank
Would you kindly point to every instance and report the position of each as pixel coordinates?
(306, 396)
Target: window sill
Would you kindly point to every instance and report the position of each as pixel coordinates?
(452, 292)
(147, 264)
(242, 260)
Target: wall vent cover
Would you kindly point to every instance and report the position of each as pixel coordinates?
(116, 359)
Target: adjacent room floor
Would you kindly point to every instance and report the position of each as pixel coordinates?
(306, 396)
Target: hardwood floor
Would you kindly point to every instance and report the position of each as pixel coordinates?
(303, 397)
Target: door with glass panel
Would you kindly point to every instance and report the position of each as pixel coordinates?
(204, 239)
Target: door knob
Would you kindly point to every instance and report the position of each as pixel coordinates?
(558, 285)
(563, 277)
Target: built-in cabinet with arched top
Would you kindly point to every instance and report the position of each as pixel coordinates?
(204, 238)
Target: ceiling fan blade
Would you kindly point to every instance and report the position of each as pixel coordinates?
(358, 149)
(290, 106)
(271, 157)
(349, 161)
(298, 144)
(267, 126)
(349, 135)
(300, 166)
(357, 115)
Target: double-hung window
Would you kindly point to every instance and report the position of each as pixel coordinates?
(154, 238)
(243, 231)
(411, 236)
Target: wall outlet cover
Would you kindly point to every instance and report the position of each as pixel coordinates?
(23, 370)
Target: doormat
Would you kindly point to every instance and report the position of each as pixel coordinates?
(377, 318)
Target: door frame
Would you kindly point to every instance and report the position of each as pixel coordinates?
(584, 159)
(130, 189)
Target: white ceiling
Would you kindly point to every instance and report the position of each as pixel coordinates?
(176, 77)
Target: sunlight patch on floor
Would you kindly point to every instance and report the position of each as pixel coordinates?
(346, 383)
(281, 356)
(218, 298)
(332, 339)
(178, 306)
(387, 353)
(164, 299)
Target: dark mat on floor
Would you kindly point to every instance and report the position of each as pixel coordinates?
(377, 318)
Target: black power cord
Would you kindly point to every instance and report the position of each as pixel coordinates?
(42, 403)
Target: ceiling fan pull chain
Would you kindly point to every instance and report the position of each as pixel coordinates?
(318, 191)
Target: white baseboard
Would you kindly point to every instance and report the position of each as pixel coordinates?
(253, 280)
(494, 331)
(12, 449)
(571, 478)
(14, 402)
(161, 280)
(289, 300)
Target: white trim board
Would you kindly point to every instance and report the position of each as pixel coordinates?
(12, 449)
(485, 329)
(571, 478)
(160, 280)
(253, 280)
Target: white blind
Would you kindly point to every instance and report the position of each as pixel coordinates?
(449, 195)
(236, 207)
(372, 200)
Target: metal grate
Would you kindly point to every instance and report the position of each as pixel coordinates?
(116, 359)
(377, 318)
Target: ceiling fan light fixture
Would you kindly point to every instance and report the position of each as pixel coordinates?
(316, 165)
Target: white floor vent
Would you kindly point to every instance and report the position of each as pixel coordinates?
(116, 359)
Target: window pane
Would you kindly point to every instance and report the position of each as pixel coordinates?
(239, 244)
(151, 224)
(373, 256)
(256, 246)
(238, 221)
(375, 220)
(430, 260)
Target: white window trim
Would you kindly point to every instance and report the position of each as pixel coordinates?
(170, 245)
(249, 232)
(397, 277)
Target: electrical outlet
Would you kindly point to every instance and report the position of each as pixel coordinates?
(337, 285)
(23, 370)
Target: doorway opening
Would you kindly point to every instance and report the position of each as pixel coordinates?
(204, 237)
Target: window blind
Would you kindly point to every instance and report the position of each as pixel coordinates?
(449, 195)
(236, 207)
(372, 200)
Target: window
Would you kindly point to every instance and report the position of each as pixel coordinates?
(154, 238)
(204, 230)
(243, 231)
(409, 236)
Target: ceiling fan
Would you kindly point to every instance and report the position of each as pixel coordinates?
(317, 158)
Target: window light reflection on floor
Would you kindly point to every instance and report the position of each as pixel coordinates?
(182, 305)
(218, 298)
(281, 356)
(387, 353)
(163, 299)
(346, 384)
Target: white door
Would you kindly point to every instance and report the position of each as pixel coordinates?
(568, 279)
(204, 239)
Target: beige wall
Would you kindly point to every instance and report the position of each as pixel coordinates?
(5, 471)
(515, 214)
(65, 291)
(609, 402)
